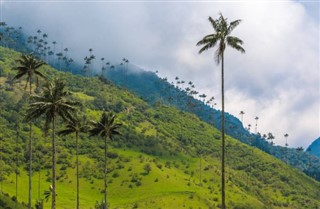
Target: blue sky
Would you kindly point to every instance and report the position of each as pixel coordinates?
(277, 79)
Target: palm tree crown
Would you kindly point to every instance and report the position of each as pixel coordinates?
(28, 65)
(106, 127)
(53, 102)
(75, 125)
(221, 37)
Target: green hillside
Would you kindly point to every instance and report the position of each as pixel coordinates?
(182, 152)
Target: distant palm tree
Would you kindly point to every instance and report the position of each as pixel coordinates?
(106, 128)
(126, 62)
(299, 149)
(270, 137)
(242, 113)
(29, 67)
(222, 38)
(256, 127)
(286, 136)
(53, 102)
(76, 126)
(249, 127)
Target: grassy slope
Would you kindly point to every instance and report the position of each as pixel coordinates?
(254, 179)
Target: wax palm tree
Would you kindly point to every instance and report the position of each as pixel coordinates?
(76, 126)
(53, 102)
(221, 37)
(29, 67)
(286, 144)
(242, 113)
(107, 129)
(256, 128)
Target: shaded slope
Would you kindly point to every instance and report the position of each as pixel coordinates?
(314, 148)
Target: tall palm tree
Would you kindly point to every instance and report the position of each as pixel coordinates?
(29, 67)
(256, 128)
(107, 129)
(52, 102)
(286, 136)
(221, 37)
(76, 126)
(241, 113)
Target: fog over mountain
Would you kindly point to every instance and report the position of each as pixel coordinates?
(277, 79)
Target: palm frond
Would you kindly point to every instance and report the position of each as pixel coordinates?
(235, 43)
(106, 127)
(210, 41)
(232, 25)
(223, 24)
(213, 23)
(40, 74)
(66, 132)
(19, 75)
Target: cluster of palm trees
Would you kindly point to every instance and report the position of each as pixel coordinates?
(52, 103)
(268, 137)
(41, 46)
(10, 36)
(176, 91)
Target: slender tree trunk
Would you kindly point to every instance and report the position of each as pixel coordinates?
(105, 173)
(223, 194)
(39, 182)
(77, 162)
(200, 170)
(30, 165)
(1, 176)
(17, 165)
(53, 204)
(30, 154)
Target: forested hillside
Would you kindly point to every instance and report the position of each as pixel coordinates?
(164, 157)
(314, 148)
(152, 89)
(182, 95)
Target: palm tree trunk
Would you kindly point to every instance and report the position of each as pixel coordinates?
(17, 166)
(30, 155)
(223, 194)
(30, 166)
(39, 183)
(105, 173)
(53, 204)
(200, 170)
(77, 162)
